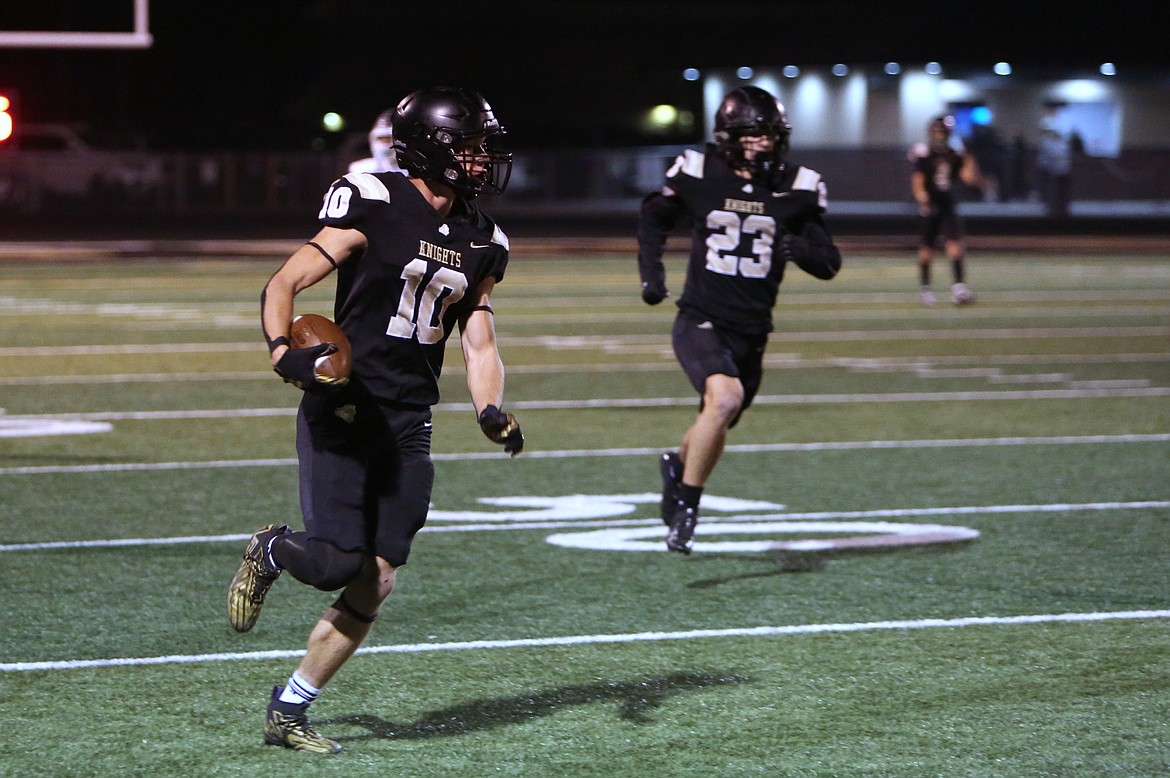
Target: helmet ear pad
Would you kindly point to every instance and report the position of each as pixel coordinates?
(426, 157)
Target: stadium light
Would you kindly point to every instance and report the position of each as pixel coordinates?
(790, 71)
(1108, 69)
(691, 74)
(1081, 90)
(840, 70)
(933, 68)
(662, 116)
(892, 68)
(1002, 69)
(745, 73)
(332, 122)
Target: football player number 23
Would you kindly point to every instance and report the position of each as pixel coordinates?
(421, 307)
(727, 230)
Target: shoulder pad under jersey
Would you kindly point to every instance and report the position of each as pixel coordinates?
(499, 238)
(689, 163)
(808, 180)
(368, 186)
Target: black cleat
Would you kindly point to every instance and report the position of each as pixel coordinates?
(251, 582)
(681, 537)
(672, 469)
(288, 725)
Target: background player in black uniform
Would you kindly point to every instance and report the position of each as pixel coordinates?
(938, 166)
(414, 258)
(752, 212)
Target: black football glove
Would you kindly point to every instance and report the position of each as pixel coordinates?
(502, 428)
(653, 281)
(654, 292)
(298, 366)
(812, 251)
(793, 247)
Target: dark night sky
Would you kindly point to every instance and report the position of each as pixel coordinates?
(260, 73)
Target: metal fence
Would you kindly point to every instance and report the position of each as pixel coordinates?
(560, 182)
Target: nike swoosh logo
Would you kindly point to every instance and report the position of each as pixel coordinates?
(475, 245)
(781, 194)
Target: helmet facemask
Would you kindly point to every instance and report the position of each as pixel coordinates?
(381, 139)
(481, 164)
(730, 144)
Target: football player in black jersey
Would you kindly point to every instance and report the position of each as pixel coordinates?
(752, 212)
(415, 258)
(938, 167)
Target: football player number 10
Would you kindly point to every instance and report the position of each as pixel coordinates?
(727, 228)
(421, 307)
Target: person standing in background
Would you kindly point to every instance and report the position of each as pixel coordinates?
(938, 166)
(1054, 171)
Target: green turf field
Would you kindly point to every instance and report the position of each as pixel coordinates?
(541, 629)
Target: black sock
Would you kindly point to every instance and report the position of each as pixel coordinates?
(924, 274)
(957, 270)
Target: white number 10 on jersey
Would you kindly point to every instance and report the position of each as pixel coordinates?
(421, 309)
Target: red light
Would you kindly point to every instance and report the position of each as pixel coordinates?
(5, 118)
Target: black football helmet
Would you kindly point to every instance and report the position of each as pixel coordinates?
(434, 130)
(750, 111)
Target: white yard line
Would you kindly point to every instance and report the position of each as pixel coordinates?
(1110, 390)
(745, 448)
(919, 365)
(602, 639)
(521, 524)
(575, 342)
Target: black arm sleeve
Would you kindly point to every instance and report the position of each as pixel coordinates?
(812, 250)
(659, 215)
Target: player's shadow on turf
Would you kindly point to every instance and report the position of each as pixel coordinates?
(778, 564)
(636, 699)
(782, 562)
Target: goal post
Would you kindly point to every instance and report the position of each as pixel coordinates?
(139, 38)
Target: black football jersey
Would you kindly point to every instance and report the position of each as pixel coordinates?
(940, 169)
(733, 275)
(401, 298)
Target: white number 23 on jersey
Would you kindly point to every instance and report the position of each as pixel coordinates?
(727, 228)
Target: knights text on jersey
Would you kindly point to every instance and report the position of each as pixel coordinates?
(733, 274)
(401, 298)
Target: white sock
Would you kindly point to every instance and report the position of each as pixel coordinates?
(298, 690)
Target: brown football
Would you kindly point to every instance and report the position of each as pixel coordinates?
(311, 329)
